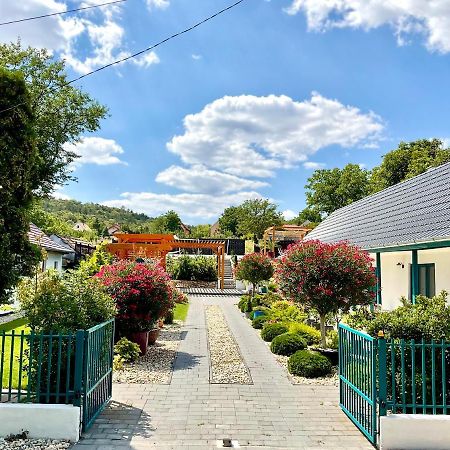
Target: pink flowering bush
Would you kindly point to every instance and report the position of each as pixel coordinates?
(327, 277)
(142, 293)
(254, 268)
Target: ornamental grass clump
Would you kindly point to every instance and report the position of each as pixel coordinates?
(328, 278)
(142, 293)
(254, 268)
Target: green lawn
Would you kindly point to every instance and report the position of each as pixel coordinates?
(5, 357)
(180, 311)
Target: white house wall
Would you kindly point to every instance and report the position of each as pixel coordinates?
(53, 257)
(395, 279)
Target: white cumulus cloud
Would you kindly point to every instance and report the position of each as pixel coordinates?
(288, 214)
(157, 4)
(96, 150)
(199, 179)
(193, 206)
(86, 41)
(311, 165)
(254, 136)
(429, 18)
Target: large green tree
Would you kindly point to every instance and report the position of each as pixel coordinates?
(407, 161)
(228, 221)
(62, 112)
(19, 159)
(330, 189)
(256, 215)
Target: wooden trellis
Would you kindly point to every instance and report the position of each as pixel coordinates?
(132, 246)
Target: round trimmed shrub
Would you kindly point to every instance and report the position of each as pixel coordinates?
(271, 330)
(259, 322)
(287, 344)
(308, 364)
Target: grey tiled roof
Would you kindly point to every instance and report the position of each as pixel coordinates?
(414, 211)
(38, 237)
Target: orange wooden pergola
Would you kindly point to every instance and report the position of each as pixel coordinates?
(132, 246)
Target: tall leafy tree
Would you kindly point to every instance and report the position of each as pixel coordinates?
(19, 159)
(62, 113)
(256, 215)
(228, 221)
(407, 161)
(330, 189)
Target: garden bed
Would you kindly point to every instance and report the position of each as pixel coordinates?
(227, 364)
(156, 366)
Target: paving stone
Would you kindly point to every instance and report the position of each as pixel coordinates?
(191, 413)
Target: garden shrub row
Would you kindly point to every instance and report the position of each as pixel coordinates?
(192, 268)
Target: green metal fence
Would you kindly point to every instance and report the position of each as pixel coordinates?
(59, 368)
(401, 376)
(357, 381)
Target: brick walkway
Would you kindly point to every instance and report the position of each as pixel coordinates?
(192, 413)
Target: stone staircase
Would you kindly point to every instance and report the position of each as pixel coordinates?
(229, 282)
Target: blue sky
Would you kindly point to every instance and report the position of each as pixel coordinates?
(248, 104)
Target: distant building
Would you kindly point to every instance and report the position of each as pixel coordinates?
(215, 229)
(81, 226)
(113, 229)
(80, 249)
(185, 228)
(55, 252)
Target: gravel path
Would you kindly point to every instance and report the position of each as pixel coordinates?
(227, 364)
(157, 365)
(33, 444)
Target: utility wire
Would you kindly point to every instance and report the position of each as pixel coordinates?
(218, 13)
(207, 19)
(61, 12)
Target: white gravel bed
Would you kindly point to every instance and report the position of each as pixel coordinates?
(227, 364)
(157, 365)
(33, 444)
(331, 379)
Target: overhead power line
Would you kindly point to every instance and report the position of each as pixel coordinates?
(134, 55)
(61, 12)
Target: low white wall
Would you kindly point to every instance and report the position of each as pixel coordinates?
(41, 421)
(414, 432)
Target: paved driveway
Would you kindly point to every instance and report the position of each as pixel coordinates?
(191, 413)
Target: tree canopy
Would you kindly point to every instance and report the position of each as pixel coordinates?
(407, 161)
(330, 189)
(250, 219)
(62, 112)
(18, 160)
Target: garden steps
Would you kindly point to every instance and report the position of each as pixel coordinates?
(211, 292)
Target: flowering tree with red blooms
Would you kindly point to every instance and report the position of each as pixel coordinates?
(327, 277)
(254, 268)
(142, 293)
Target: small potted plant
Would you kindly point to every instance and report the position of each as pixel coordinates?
(143, 294)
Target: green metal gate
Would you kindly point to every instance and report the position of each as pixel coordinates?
(95, 381)
(357, 379)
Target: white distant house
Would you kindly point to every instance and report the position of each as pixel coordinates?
(406, 228)
(81, 226)
(54, 251)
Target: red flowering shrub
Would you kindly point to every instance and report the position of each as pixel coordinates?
(326, 277)
(254, 268)
(142, 293)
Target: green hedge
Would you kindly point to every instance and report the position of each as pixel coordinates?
(271, 330)
(196, 268)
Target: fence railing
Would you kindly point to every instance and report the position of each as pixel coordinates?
(397, 375)
(414, 377)
(59, 368)
(37, 367)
